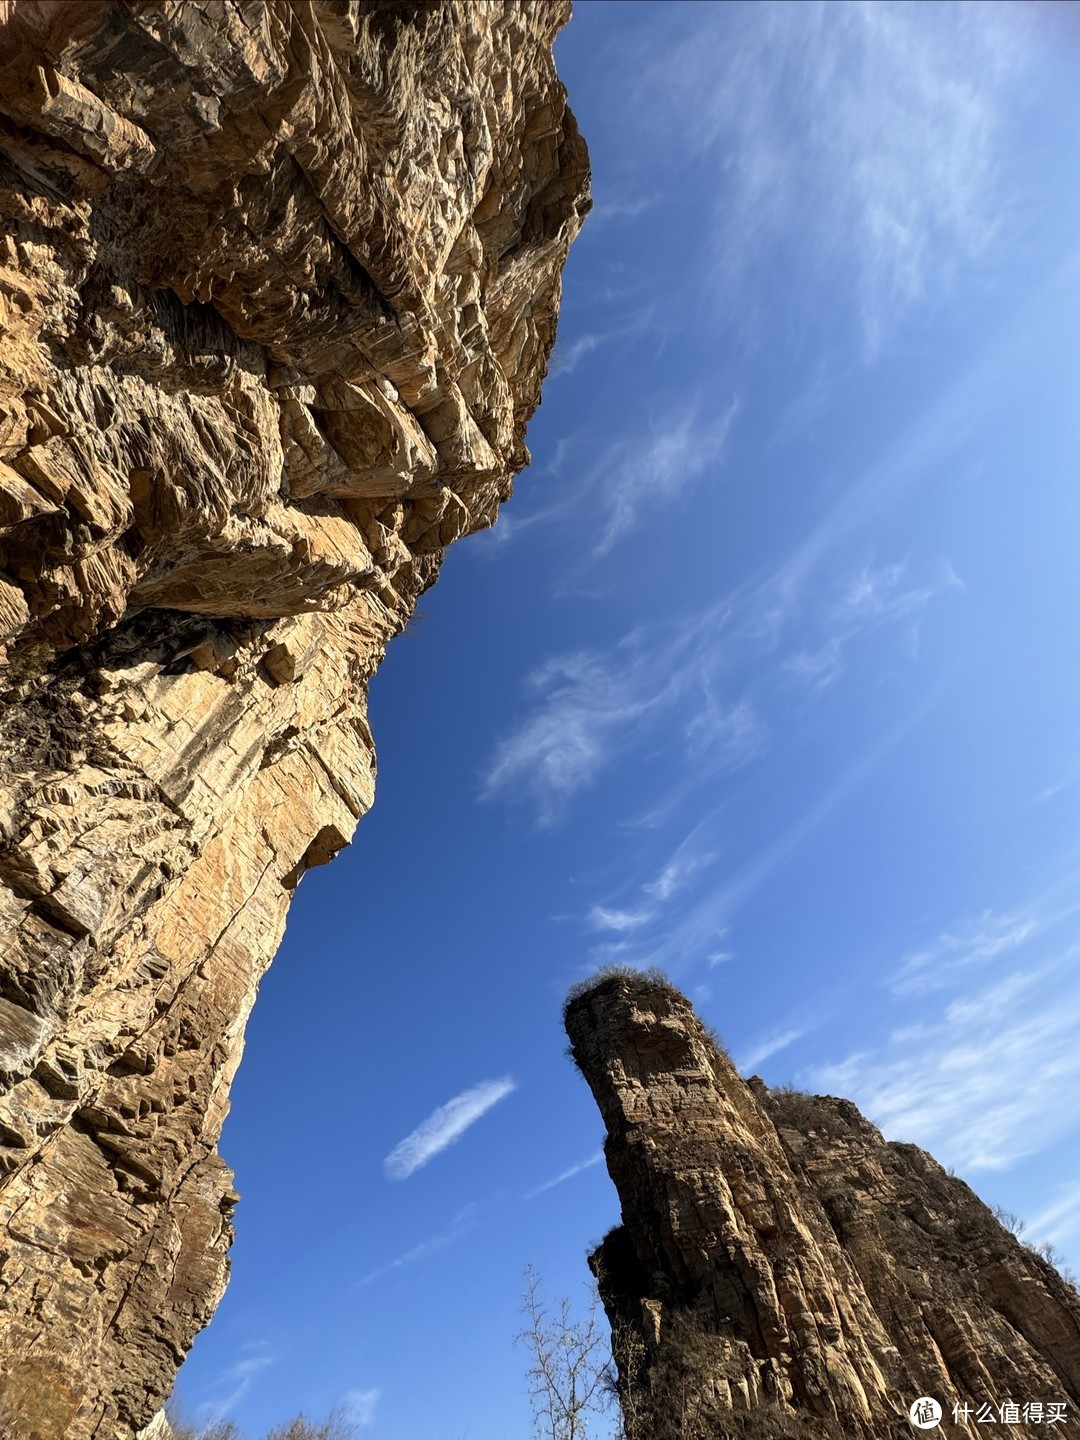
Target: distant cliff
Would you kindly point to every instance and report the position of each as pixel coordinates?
(782, 1271)
(278, 284)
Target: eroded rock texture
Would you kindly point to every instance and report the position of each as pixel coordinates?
(278, 282)
(782, 1271)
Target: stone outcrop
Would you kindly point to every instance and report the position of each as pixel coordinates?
(278, 283)
(782, 1271)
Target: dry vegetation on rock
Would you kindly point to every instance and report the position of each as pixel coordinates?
(336, 1426)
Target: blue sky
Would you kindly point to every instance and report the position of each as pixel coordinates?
(767, 675)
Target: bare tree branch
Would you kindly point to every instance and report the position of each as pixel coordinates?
(568, 1374)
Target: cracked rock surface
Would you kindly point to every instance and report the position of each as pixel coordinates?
(278, 284)
(783, 1271)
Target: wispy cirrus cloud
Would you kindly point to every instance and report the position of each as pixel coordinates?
(607, 487)
(569, 354)
(359, 1406)
(586, 708)
(1062, 783)
(697, 931)
(650, 469)
(564, 1175)
(1059, 1221)
(590, 709)
(871, 132)
(687, 862)
(972, 943)
(622, 922)
(875, 595)
(467, 1219)
(793, 622)
(984, 1080)
(869, 599)
(614, 208)
(978, 942)
(443, 1126)
(236, 1380)
(768, 1046)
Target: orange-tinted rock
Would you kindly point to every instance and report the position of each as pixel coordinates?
(780, 1269)
(278, 283)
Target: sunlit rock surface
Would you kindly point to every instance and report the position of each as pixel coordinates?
(278, 283)
(782, 1271)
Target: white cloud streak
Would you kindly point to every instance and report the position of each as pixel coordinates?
(790, 623)
(586, 707)
(445, 1125)
(1062, 783)
(687, 862)
(607, 210)
(568, 355)
(564, 1175)
(650, 469)
(360, 1406)
(607, 487)
(236, 1380)
(869, 599)
(702, 924)
(466, 1220)
(771, 1045)
(593, 708)
(971, 944)
(871, 132)
(977, 942)
(684, 864)
(1059, 1220)
(983, 1080)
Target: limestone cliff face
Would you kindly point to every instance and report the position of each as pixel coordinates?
(781, 1270)
(278, 283)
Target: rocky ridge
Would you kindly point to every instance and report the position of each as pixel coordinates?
(278, 284)
(782, 1271)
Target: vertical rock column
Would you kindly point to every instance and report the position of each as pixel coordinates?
(782, 1270)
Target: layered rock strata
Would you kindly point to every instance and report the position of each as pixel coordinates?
(278, 283)
(782, 1271)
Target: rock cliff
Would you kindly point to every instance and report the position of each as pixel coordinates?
(782, 1271)
(278, 283)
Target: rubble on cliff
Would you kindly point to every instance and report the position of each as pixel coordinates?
(783, 1271)
(278, 284)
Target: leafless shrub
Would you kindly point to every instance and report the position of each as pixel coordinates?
(1049, 1252)
(568, 1373)
(181, 1427)
(1011, 1221)
(638, 981)
(335, 1427)
(652, 978)
(795, 1109)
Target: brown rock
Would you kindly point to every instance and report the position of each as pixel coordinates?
(780, 1269)
(278, 283)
